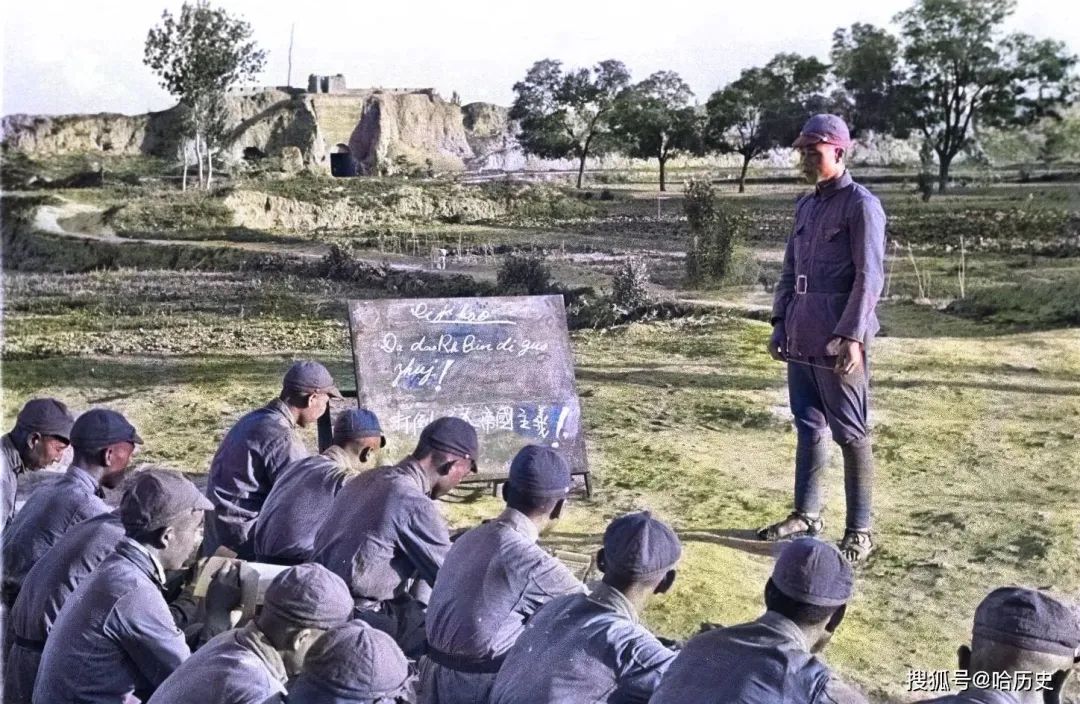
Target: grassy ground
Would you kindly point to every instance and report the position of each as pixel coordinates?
(975, 417)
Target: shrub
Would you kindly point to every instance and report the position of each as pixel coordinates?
(524, 273)
(630, 286)
(924, 185)
(715, 230)
(744, 269)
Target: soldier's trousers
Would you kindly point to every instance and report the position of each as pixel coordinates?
(401, 617)
(826, 404)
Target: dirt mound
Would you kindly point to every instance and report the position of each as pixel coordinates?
(262, 211)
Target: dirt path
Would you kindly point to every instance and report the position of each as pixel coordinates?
(87, 222)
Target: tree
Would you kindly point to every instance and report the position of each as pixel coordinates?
(198, 58)
(965, 73)
(567, 115)
(873, 94)
(654, 119)
(764, 108)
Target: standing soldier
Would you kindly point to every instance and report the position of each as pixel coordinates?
(255, 450)
(823, 322)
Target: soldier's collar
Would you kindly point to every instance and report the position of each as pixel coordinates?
(778, 622)
(283, 408)
(85, 478)
(158, 570)
(255, 641)
(410, 467)
(828, 188)
(520, 522)
(610, 597)
(346, 463)
(8, 446)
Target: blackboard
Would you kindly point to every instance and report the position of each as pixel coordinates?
(504, 364)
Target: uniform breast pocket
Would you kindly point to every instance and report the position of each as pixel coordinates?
(834, 240)
(832, 252)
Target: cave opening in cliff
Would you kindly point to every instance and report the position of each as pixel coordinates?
(342, 163)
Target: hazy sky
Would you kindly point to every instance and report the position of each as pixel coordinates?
(86, 56)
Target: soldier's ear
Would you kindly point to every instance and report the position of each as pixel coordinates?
(364, 454)
(963, 658)
(836, 618)
(665, 583)
(162, 537)
(556, 512)
(601, 561)
(302, 638)
(33, 439)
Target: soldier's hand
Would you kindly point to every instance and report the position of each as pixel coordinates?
(778, 343)
(223, 594)
(849, 355)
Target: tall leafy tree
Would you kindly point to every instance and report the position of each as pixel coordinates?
(568, 114)
(198, 57)
(765, 107)
(965, 72)
(872, 93)
(654, 120)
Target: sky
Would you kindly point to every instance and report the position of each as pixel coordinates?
(86, 56)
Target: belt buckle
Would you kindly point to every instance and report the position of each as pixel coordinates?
(800, 284)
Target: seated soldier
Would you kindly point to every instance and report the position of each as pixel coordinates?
(250, 665)
(773, 658)
(592, 648)
(353, 664)
(304, 491)
(494, 579)
(115, 636)
(384, 530)
(254, 452)
(1021, 638)
(53, 579)
(103, 442)
(41, 434)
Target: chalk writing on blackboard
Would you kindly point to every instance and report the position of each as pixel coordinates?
(502, 364)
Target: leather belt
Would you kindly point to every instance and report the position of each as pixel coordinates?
(37, 646)
(802, 287)
(462, 664)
